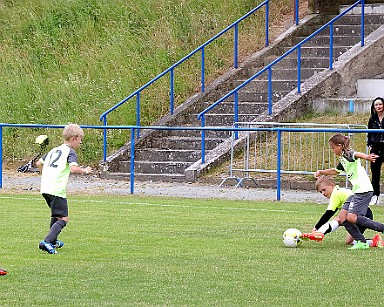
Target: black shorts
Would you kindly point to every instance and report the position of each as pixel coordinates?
(358, 203)
(58, 205)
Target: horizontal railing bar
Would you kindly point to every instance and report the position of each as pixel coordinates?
(199, 128)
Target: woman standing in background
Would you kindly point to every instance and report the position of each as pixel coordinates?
(375, 142)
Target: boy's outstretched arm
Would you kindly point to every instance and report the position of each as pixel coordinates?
(81, 170)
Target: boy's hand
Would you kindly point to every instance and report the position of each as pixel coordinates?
(317, 174)
(88, 170)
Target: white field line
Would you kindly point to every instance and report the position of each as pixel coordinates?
(159, 205)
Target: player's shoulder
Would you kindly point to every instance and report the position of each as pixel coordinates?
(349, 155)
(342, 191)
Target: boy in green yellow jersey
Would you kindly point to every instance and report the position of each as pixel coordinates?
(56, 166)
(337, 197)
(353, 211)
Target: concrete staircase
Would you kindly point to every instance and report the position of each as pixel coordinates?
(165, 155)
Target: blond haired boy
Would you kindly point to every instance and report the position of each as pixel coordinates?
(56, 167)
(337, 197)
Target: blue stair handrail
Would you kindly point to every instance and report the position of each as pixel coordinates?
(170, 70)
(234, 92)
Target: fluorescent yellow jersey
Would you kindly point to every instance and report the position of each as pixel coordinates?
(356, 173)
(56, 170)
(338, 198)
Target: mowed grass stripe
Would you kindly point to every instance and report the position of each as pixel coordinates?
(197, 254)
(158, 204)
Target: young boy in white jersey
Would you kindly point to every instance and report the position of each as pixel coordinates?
(354, 209)
(56, 167)
(337, 197)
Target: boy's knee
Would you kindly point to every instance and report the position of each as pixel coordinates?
(352, 218)
(64, 219)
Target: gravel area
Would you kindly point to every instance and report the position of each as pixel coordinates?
(13, 182)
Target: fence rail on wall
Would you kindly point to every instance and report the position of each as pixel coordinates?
(301, 152)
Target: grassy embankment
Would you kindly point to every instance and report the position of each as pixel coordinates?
(70, 61)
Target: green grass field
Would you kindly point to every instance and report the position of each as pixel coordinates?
(141, 251)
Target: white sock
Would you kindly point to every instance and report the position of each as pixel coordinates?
(325, 227)
(332, 225)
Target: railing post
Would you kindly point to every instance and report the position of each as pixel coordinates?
(132, 165)
(270, 91)
(331, 46)
(236, 109)
(138, 113)
(296, 12)
(299, 69)
(235, 45)
(171, 91)
(362, 23)
(1, 156)
(202, 70)
(278, 169)
(267, 24)
(104, 139)
(203, 139)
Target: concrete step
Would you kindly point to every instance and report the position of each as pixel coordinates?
(307, 62)
(373, 8)
(244, 107)
(120, 176)
(258, 97)
(211, 119)
(155, 167)
(323, 40)
(154, 154)
(257, 85)
(377, 19)
(287, 73)
(227, 120)
(343, 29)
(197, 133)
(190, 143)
(320, 51)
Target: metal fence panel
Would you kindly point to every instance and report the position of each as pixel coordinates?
(302, 152)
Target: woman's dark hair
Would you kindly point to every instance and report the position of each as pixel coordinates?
(373, 112)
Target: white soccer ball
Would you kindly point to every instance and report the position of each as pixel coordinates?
(291, 237)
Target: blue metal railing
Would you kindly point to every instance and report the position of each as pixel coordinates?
(278, 130)
(201, 49)
(234, 92)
